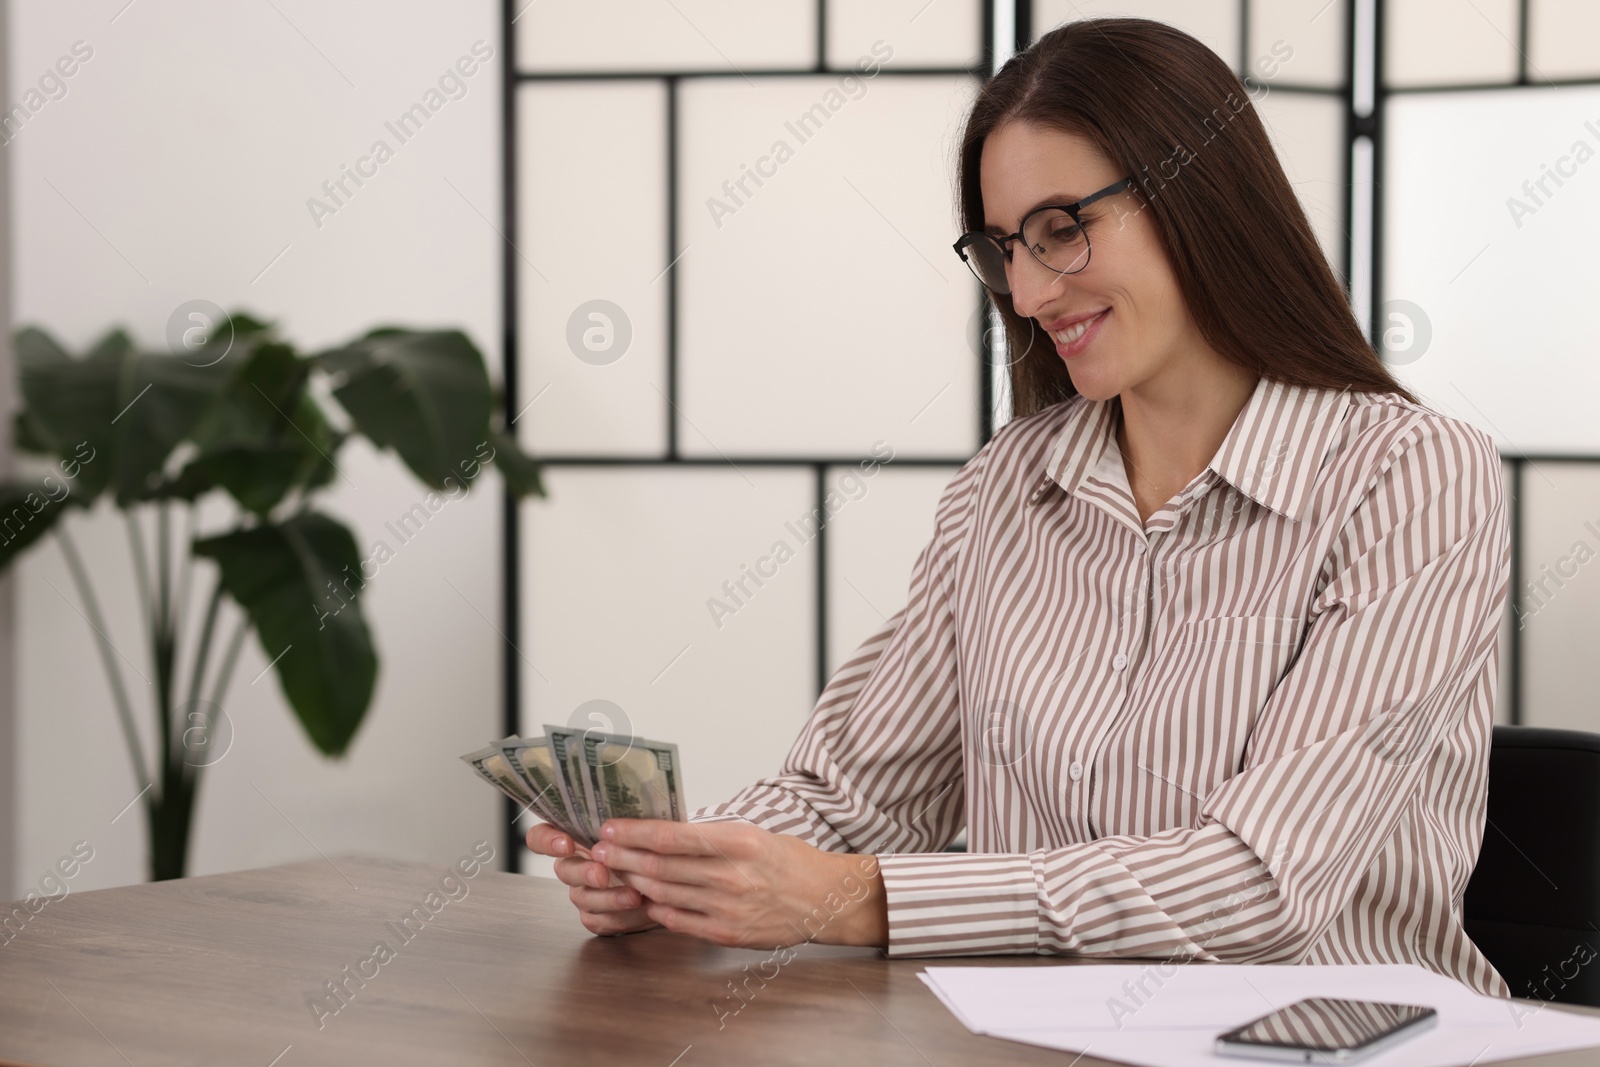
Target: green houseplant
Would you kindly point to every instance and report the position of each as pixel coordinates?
(236, 410)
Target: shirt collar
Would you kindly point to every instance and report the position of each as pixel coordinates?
(1271, 454)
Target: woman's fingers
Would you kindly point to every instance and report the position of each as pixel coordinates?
(617, 910)
(549, 840)
(605, 905)
(672, 838)
(585, 873)
(711, 871)
(599, 901)
(616, 922)
(680, 921)
(686, 897)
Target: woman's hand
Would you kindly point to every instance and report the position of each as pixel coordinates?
(738, 885)
(605, 905)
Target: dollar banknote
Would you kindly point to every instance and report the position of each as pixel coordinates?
(492, 767)
(566, 746)
(577, 779)
(630, 778)
(531, 759)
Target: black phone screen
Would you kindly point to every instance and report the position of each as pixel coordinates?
(1326, 1024)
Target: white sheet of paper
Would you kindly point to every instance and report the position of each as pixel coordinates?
(1168, 1015)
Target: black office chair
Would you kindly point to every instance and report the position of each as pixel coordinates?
(1533, 904)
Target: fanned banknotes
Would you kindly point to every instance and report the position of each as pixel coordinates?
(567, 750)
(492, 767)
(532, 761)
(626, 778)
(577, 779)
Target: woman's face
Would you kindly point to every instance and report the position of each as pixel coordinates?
(1144, 327)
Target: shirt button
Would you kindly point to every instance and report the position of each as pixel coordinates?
(1120, 662)
(1075, 771)
(1138, 548)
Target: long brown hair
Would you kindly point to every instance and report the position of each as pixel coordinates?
(1168, 111)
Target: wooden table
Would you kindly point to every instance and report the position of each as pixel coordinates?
(219, 970)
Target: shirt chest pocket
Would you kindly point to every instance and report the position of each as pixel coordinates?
(1189, 718)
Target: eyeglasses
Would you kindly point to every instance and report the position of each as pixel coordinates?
(1053, 234)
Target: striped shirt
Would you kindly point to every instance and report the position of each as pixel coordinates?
(1252, 728)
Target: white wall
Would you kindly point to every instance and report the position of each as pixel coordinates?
(178, 166)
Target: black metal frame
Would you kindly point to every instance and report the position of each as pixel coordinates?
(1371, 126)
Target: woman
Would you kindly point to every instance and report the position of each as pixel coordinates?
(1203, 650)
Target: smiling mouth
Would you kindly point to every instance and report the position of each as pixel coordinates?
(1076, 330)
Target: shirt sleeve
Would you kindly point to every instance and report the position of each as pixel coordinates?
(877, 766)
(1388, 705)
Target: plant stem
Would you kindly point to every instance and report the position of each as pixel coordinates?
(164, 565)
(80, 576)
(185, 572)
(201, 655)
(164, 641)
(180, 610)
(141, 571)
(170, 820)
(203, 652)
(150, 611)
(229, 658)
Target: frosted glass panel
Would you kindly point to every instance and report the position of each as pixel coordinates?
(710, 35)
(1561, 600)
(1450, 42)
(592, 241)
(620, 565)
(822, 306)
(1312, 35)
(943, 33)
(1216, 22)
(1563, 39)
(873, 542)
(1488, 252)
(1307, 131)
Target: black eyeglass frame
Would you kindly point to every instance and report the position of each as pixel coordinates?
(969, 239)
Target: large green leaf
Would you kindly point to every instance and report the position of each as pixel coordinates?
(264, 434)
(189, 484)
(35, 346)
(114, 345)
(424, 394)
(26, 435)
(131, 409)
(519, 470)
(255, 402)
(28, 508)
(162, 399)
(69, 401)
(247, 328)
(285, 576)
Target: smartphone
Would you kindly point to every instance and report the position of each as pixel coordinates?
(1327, 1030)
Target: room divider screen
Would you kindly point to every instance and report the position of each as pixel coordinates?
(736, 336)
